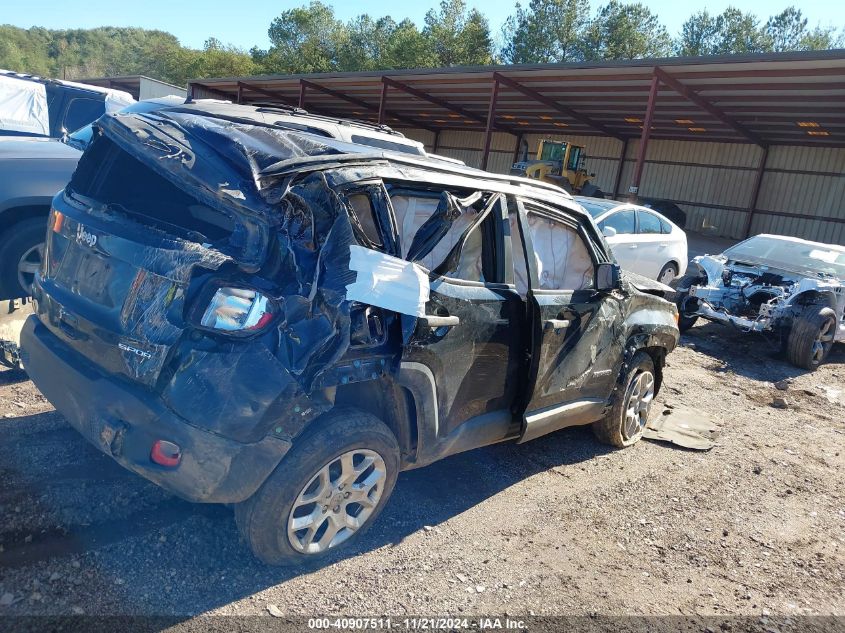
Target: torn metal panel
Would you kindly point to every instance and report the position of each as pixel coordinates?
(683, 426)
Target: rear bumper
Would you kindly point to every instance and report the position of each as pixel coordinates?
(124, 421)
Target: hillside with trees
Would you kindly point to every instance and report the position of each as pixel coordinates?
(311, 38)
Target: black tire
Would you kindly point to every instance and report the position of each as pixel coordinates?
(263, 518)
(666, 268)
(612, 428)
(15, 242)
(811, 336)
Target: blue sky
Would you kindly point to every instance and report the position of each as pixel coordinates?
(245, 23)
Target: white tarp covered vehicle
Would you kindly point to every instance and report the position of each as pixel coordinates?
(23, 106)
(772, 283)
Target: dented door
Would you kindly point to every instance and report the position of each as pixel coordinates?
(471, 336)
(574, 328)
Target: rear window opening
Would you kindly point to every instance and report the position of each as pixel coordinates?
(127, 187)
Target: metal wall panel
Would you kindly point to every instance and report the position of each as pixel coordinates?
(696, 175)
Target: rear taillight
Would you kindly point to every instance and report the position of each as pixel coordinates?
(238, 310)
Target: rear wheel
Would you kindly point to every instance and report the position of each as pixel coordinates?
(631, 405)
(811, 336)
(327, 490)
(21, 252)
(668, 273)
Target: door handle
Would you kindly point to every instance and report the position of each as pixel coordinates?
(664, 244)
(632, 246)
(558, 324)
(439, 321)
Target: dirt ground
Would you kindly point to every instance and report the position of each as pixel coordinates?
(562, 525)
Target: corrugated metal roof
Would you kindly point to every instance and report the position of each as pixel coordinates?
(778, 99)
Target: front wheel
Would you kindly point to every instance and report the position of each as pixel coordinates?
(631, 404)
(326, 492)
(811, 337)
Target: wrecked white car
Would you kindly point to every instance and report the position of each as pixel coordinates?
(790, 287)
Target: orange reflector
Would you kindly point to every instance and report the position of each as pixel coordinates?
(58, 220)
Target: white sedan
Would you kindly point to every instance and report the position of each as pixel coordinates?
(642, 240)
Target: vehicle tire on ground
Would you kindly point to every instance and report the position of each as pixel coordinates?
(328, 489)
(668, 273)
(685, 319)
(811, 336)
(21, 250)
(631, 404)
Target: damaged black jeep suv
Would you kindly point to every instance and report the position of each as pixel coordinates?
(249, 315)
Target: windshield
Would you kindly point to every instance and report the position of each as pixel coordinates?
(788, 255)
(596, 207)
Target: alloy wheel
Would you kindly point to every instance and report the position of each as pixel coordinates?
(668, 275)
(824, 340)
(337, 501)
(638, 405)
(28, 265)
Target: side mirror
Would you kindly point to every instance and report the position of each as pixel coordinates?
(608, 276)
(608, 231)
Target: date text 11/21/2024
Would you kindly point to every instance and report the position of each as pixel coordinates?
(416, 624)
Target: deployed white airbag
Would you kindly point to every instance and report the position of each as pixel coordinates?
(387, 282)
(23, 106)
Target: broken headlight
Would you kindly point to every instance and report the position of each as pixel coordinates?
(238, 310)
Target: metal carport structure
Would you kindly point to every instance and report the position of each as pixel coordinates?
(746, 144)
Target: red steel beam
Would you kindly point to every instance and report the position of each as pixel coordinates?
(755, 193)
(267, 93)
(572, 114)
(491, 116)
(705, 105)
(363, 104)
(382, 104)
(620, 167)
(634, 189)
(431, 99)
(302, 89)
(214, 91)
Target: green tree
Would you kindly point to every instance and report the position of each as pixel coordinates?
(303, 40)
(458, 37)
(546, 31)
(407, 47)
(739, 33)
(788, 31)
(626, 31)
(699, 35)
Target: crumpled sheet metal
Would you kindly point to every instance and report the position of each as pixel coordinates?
(218, 162)
(294, 232)
(683, 426)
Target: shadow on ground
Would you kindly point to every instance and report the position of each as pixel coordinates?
(155, 554)
(753, 355)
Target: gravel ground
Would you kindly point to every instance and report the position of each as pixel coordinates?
(562, 525)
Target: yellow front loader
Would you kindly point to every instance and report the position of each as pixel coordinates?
(561, 164)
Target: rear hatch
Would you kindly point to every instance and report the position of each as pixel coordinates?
(155, 202)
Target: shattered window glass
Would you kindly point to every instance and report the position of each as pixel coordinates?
(435, 226)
